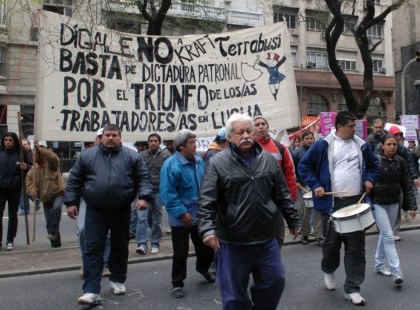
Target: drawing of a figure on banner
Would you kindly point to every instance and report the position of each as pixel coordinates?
(272, 65)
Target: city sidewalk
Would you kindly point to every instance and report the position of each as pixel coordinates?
(43, 259)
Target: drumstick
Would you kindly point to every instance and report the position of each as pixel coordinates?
(360, 200)
(331, 193)
(305, 190)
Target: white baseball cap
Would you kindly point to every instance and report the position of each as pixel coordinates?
(100, 132)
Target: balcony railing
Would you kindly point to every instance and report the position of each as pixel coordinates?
(195, 11)
(245, 18)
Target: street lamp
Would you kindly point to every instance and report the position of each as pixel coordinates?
(416, 59)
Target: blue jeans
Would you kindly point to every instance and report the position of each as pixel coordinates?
(53, 215)
(153, 212)
(97, 224)
(81, 232)
(384, 216)
(234, 265)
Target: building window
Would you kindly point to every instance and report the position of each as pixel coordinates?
(342, 105)
(27, 113)
(63, 7)
(294, 59)
(3, 119)
(378, 1)
(377, 65)
(2, 60)
(3, 12)
(347, 65)
(289, 18)
(375, 108)
(376, 31)
(313, 25)
(316, 60)
(316, 105)
(348, 27)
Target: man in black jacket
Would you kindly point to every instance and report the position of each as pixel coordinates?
(242, 193)
(108, 176)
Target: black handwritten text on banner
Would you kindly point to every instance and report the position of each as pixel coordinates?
(90, 76)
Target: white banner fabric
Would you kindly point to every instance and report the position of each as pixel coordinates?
(89, 76)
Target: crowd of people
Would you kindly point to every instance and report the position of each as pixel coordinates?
(233, 202)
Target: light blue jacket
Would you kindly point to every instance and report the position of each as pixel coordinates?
(180, 182)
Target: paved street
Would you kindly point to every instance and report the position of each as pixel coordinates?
(148, 285)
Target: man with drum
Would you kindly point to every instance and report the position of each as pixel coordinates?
(341, 163)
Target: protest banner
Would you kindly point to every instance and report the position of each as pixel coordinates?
(89, 76)
(411, 123)
(361, 128)
(327, 121)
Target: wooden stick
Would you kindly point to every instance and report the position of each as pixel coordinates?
(360, 200)
(34, 222)
(304, 189)
(23, 179)
(331, 193)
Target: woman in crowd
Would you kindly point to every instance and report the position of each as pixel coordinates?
(393, 179)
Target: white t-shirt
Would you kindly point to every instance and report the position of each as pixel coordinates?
(346, 175)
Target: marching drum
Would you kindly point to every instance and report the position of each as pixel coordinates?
(353, 218)
(307, 200)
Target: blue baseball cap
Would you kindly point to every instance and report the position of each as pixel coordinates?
(221, 135)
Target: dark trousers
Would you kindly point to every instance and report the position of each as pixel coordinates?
(354, 250)
(97, 224)
(180, 245)
(12, 197)
(234, 265)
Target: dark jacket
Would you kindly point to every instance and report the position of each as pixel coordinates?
(108, 179)
(154, 163)
(316, 164)
(10, 172)
(297, 155)
(394, 178)
(405, 153)
(240, 205)
(373, 140)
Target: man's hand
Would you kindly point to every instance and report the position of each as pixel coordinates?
(72, 212)
(319, 192)
(212, 241)
(368, 186)
(142, 204)
(417, 183)
(23, 166)
(413, 214)
(295, 232)
(186, 218)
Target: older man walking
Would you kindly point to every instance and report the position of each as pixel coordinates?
(242, 194)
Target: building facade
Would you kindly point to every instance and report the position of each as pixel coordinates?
(317, 87)
(406, 42)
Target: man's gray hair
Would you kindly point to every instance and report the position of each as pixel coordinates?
(237, 117)
(379, 120)
(181, 138)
